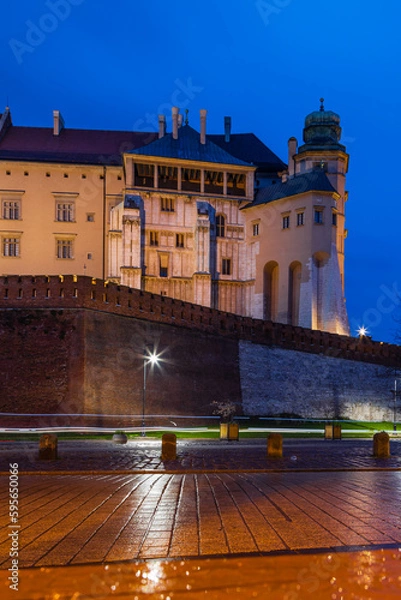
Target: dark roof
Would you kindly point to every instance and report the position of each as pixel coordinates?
(248, 147)
(89, 146)
(315, 181)
(188, 147)
(82, 146)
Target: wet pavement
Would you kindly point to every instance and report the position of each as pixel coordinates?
(108, 520)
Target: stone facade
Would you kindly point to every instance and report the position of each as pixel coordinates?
(218, 221)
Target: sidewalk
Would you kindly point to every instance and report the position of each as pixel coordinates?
(224, 516)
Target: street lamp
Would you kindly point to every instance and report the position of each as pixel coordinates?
(150, 359)
(362, 331)
(395, 400)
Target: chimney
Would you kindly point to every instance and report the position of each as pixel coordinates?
(5, 122)
(203, 114)
(227, 128)
(162, 126)
(292, 150)
(175, 110)
(179, 120)
(58, 122)
(284, 176)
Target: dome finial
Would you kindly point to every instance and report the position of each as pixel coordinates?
(321, 104)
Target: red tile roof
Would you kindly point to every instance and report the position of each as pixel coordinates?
(82, 146)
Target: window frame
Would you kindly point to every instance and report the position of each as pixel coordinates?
(11, 210)
(11, 241)
(65, 208)
(154, 239)
(167, 204)
(226, 266)
(220, 226)
(62, 245)
(318, 217)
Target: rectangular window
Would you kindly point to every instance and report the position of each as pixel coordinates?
(153, 238)
(167, 204)
(286, 222)
(11, 247)
(65, 211)
(11, 209)
(334, 219)
(163, 258)
(226, 266)
(255, 229)
(300, 219)
(90, 217)
(318, 218)
(65, 249)
(179, 240)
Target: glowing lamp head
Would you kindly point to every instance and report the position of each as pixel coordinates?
(153, 358)
(362, 331)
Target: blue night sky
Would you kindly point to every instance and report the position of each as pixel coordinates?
(266, 63)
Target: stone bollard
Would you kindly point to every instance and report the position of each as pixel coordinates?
(275, 445)
(328, 431)
(48, 447)
(337, 432)
(381, 445)
(169, 446)
(229, 431)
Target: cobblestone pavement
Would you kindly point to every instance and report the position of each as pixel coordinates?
(200, 455)
(82, 519)
(282, 524)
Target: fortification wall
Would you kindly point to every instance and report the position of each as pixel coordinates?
(84, 292)
(72, 345)
(276, 381)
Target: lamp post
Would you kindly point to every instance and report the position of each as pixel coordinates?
(150, 359)
(395, 400)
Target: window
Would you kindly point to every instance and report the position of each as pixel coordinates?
(286, 222)
(167, 204)
(220, 226)
(65, 211)
(300, 219)
(11, 209)
(11, 246)
(334, 219)
(153, 238)
(90, 217)
(179, 240)
(255, 229)
(318, 216)
(65, 249)
(163, 258)
(226, 266)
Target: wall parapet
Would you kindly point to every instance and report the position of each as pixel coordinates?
(83, 292)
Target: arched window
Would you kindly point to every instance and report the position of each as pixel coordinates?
(294, 291)
(270, 291)
(220, 226)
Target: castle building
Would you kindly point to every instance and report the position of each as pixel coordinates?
(215, 220)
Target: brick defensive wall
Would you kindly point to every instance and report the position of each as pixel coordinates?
(82, 292)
